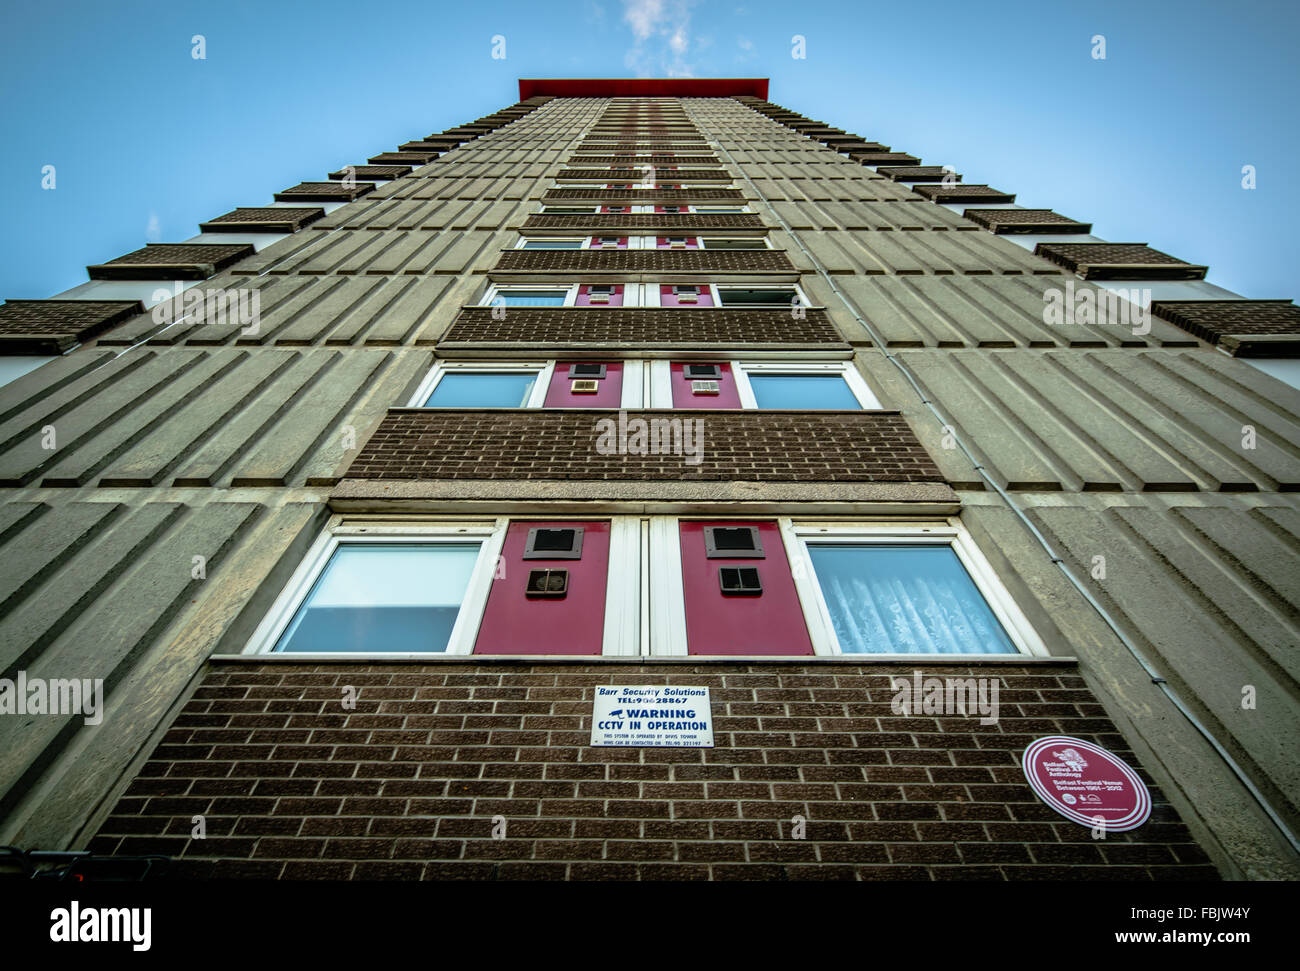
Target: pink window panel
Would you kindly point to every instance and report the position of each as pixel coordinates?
(706, 384)
(671, 209)
(681, 242)
(516, 623)
(689, 295)
(608, 242)
(767, 622)
(615, 208)
(604, 295)
(581, 375)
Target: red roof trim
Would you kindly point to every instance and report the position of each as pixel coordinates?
(642, 87)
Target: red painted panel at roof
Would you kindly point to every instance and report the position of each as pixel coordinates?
(642, 87)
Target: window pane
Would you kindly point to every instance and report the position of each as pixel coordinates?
(905, 600)
(383, 598)
(533, 298)
(738, 297)
(478, 389)
(802, 391)
(552, 244)
(734, 244)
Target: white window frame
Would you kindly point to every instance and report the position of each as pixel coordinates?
(852, 377)
(634, 380)
(584, 242)
(766, 243)
(589, 210)
(491, 537)
(652, 292)
(645, 598)
(661, 389)
(542, 369)
(951, 533)
(632, 292)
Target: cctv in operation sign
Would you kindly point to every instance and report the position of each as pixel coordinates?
(1085, 783)
(652, 716)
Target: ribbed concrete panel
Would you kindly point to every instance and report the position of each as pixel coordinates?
(988, 310)
(1200, 587)
(1136, 421)
(69, 568)
(196, 416)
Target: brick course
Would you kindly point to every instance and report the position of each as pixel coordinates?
(645, 195)
(52, 326)
(641, 326)
(1118, 261)
(645, 261)
(747, 446)
(1214, 320)
(406, 784)
(666, 223)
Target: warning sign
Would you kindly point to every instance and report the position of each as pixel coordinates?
(1087, 784)
(652, 716)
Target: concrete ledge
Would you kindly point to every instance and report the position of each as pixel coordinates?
(503, 496)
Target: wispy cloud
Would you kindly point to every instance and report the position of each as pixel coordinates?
(746, 49)
(661, 31)
(153, 228)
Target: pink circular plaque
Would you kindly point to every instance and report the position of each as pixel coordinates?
(1085, 783)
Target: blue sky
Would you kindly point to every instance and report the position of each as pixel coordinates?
(1148, 144)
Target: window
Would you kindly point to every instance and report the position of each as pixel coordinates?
(384, 589)
(718, 210)
(727, 295)
(527, 296)
(552, 243)
(644, 585)
(732, 243)
(570, 210)
(802, 391)
(567, 295)
(905, 590)
(756, 296)
(457, 385)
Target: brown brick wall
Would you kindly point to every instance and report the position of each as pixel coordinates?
(1213, 319)
(641, 326)
(645, 195)
(645, 260)
(675, 223)
(747, 446)
(635, 174)
(406, 784)
(1098, 261)
(52, 326)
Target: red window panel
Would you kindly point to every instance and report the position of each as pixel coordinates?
(768, 620)
(599, 295)
(617, 209)
(685, 295)
(608, 242)
(678, 242)
(672, 209)
(517, 622)
(573, 382)
(706, 384)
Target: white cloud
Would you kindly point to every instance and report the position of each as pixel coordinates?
(153, 229)
(661, 31)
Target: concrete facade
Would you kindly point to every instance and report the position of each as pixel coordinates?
(154, 439)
